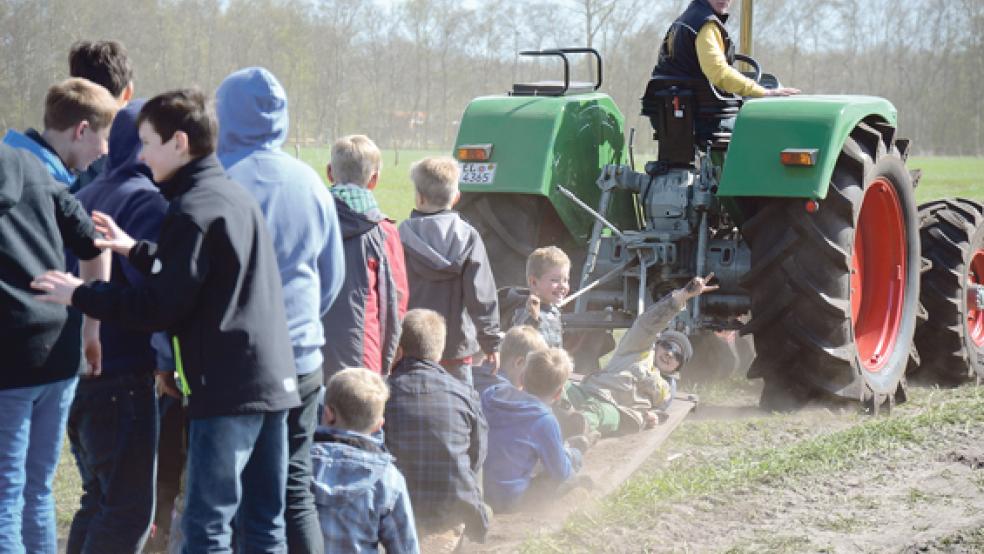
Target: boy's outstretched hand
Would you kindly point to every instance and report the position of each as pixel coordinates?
(115, 239)
(698, 286)
(58, 286)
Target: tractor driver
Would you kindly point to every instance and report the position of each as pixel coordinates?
(697, 44)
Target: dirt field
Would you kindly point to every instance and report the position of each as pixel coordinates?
(732, 479)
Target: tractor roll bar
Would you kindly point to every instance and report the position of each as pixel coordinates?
(562, 54)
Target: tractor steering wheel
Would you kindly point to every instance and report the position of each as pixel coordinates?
(755, 66)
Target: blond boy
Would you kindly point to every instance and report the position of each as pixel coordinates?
(548, 276)
(524, 433)
(365, 318)
(77, 117)
(362, 498)
(448, 268)
(517, 344)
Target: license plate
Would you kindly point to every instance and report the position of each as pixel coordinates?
(477, 173)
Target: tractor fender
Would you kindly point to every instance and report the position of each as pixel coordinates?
(541, 142)
(765, 127)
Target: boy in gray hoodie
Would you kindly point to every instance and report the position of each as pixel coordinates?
(448, 269)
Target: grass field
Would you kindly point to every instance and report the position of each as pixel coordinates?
(394, 191)
(941, 177)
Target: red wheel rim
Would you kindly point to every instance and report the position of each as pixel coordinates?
(975, 317)
(878, 274)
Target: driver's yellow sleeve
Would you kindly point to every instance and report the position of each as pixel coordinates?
(710, 54)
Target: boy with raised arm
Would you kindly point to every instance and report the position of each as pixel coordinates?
(637, 383)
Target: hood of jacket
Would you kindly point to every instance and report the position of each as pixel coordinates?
(252, 109)
(507, 407)
(11, 178)
(124, 146)
(351, 222)
(347, 463)
(436, 244)
(33, 142)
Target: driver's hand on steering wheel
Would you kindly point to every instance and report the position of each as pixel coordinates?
(782, 91)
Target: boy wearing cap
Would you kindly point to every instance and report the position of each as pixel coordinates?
(640, 378)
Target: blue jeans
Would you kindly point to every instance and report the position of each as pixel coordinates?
(113, 428)
(236, 464)
(32, 423)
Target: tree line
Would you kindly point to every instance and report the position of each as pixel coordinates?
(403, 71)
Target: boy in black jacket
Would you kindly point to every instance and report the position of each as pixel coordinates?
(213, 284)
(42, 346)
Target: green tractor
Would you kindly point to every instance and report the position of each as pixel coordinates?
(805, 213)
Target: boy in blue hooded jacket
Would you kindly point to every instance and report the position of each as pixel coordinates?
(300, 215)
(525, 442)
(113, 421)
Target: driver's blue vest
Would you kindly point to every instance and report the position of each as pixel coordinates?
(678, 53)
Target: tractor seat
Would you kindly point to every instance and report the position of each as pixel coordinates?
(686, 113)
(707, 102)
(552, 88)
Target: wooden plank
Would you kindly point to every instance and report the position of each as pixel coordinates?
(609, 464)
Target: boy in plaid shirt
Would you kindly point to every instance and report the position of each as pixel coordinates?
(362, 498)
(436, 430)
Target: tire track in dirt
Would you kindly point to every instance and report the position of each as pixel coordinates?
(923, 493)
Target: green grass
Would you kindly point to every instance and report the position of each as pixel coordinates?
(948, 176)
(394, 193)
(67, 490)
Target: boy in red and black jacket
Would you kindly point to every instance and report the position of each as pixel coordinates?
(362, 327)
(212, 283)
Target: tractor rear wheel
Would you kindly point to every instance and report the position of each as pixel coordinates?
(835, 293)
(951, 342)
(512, 226)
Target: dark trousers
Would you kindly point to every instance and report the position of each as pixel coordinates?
(113, 429)
(171, 455)
(301, 515)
